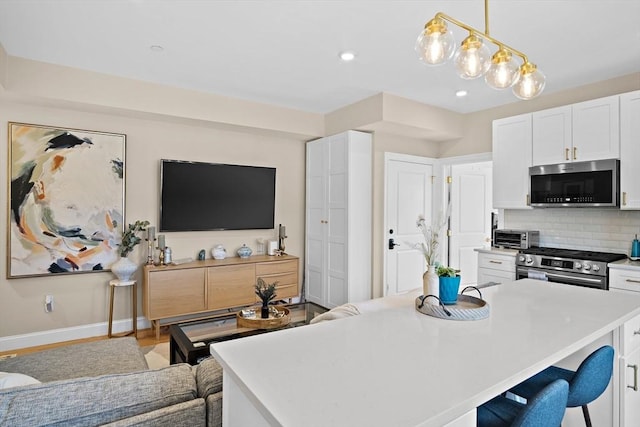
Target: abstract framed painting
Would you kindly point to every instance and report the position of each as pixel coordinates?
(66, 200)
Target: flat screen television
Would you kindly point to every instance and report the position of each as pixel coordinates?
(197, 196)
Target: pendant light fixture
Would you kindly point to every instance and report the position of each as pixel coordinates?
(435, 45)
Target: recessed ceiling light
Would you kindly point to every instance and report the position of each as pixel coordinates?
(461, 93)
(156, 48)
(347, 56)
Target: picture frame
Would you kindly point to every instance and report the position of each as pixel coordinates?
(66, 200)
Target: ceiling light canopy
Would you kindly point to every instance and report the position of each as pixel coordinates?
(435, 45)
(347, 56)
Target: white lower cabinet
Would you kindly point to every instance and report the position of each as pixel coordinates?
(627, 280)
(494, 266)
(630, 390)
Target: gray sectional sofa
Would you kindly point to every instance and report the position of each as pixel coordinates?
(109, 383)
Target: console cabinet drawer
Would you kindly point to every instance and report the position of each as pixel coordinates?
(276, 267)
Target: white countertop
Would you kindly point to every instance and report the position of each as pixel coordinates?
(625, 264)
(400, 367)
(501, 251)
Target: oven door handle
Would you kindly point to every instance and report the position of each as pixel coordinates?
(563, 276)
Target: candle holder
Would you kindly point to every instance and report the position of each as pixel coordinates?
(161, 257)
(150, 245)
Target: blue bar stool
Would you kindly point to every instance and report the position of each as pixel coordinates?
(545, 409)
(586, 384)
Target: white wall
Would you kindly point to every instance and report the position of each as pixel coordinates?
(81, 300)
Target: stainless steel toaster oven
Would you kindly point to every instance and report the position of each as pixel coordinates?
(515, 239)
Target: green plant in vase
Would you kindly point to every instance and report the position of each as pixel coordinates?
(449, 284)
(266, 292)
(130, 238)
(124, 268)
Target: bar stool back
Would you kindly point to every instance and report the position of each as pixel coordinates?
(545, 409)
(586, 384)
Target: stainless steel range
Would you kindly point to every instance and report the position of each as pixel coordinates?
(573, 267)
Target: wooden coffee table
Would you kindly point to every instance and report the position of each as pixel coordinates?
(189, 341)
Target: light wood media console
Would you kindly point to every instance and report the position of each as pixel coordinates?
(205, 286)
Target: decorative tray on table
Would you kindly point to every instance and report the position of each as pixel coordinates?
(278, 317)
(466, 307)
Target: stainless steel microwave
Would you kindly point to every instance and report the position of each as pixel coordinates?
(577, 184)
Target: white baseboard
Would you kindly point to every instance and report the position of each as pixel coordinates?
(67, 334)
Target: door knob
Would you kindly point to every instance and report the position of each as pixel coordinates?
(392, 243)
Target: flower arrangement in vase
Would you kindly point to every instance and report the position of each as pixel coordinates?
(124, 267)
(429, 248)
(449, 284)
(266, 292)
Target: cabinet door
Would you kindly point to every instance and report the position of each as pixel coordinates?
(315, 213)
(596, 129)
(630, 150)
(630, 390)
(551, 136)
(511, 162)
(231, 286)
(336, 225)
(176, 292)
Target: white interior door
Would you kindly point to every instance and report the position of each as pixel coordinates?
(408, 194)
(471, 197)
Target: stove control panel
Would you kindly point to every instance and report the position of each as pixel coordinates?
(562, 264)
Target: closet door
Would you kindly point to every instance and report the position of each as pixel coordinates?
(316, 214)
(338, 219)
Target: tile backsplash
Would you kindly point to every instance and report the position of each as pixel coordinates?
(603, 230)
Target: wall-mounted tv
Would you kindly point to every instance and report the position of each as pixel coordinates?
(197, 196)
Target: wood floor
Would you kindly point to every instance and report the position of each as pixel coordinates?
(146, 337)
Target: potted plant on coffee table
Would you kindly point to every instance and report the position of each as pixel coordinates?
(449, 284)
(266, 292)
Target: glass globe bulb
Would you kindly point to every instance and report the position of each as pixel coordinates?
(530, 83)
(435, 45)
(473, 58)
(503, 71)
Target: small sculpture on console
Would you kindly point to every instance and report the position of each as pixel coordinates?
(266, 292)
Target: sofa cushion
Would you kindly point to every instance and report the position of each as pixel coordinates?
(208, 377)
(90, 359)
(8, 380)
(185, 414)
(95, 401)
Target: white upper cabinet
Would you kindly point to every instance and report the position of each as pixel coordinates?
(630, 150)
(511, 162)
(596, 129)
(551, 136)
(579, 132)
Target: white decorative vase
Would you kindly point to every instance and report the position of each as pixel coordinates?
(124, 268)
(431, 285)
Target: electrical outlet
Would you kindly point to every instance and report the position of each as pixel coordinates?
(48, 303)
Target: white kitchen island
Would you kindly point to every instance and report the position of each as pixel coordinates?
(398, 367)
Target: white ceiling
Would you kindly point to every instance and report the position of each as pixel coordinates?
(286, 52)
